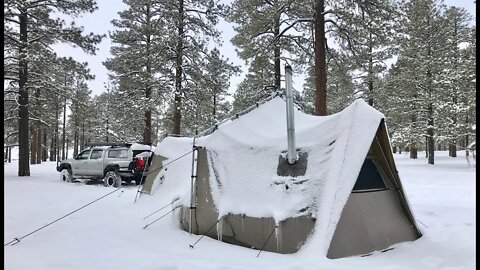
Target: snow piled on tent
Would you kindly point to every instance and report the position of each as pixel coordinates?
(176, 171)
(244, 154)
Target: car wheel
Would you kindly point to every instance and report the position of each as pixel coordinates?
(66, 175)
(112, 179)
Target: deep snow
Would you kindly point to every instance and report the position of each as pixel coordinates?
(109, 234)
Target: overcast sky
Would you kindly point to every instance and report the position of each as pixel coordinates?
(99, 23)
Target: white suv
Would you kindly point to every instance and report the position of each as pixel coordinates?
(112, 162)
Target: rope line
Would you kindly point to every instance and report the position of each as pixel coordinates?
(17, 239)
(204, 234)
(168, 163)
(146, 226)
(266, 241)
(176, 199)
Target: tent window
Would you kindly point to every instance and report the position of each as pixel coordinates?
(369, 178)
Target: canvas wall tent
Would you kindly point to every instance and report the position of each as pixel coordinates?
(348, 201)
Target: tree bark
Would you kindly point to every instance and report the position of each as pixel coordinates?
(23, 125)
(45, 148)
(147, 134)
(214, 108)
(276, 53)
(75, 123)
(66, 147)
(33, 144)
(430, 121)
(64, 119)
(177, 114)
(39, 144)
(453, 147)
(413, 152)
(320, 60)
(82, 140)
(430, 134)
(147, 137)
(370, 72)
(52, 149)
(452, 150)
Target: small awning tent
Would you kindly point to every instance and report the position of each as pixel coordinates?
(348, 199)
(153, 174)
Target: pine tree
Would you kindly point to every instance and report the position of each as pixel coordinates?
(256, 85)
(366, 31)
(29, 25)
(452, 111)
(262, 32)
(418, 74)
(340, 86)
(209, 99)
(140, 60)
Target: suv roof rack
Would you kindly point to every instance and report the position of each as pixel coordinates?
(113, 144)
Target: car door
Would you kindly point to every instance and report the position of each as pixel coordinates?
(80, 166)
(94, 163)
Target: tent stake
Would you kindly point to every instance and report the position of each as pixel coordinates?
(267, 241)
(204, 234)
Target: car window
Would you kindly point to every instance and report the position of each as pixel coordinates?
(113, 153)
(96, 154)
(118, 153)
(123, 153)
(84, 154)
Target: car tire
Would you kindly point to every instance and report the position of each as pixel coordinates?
(112, 179)
(66, 175)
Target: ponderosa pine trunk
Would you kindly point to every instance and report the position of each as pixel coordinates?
(430, 134)
(147, 134)
(413, 152)
(276, 53)
(64, 120)
(177, 114)
(430, 121)
(370, 72)
(320, 59)
(23, 126)
(33, 144)
(44, 148)
(39, 143)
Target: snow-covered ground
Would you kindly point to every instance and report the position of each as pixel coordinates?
(108, 234)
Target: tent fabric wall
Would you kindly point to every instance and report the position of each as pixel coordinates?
(241, 229)
(375, 220)
(153, 171)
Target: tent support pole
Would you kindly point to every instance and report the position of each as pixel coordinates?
(192, 179)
